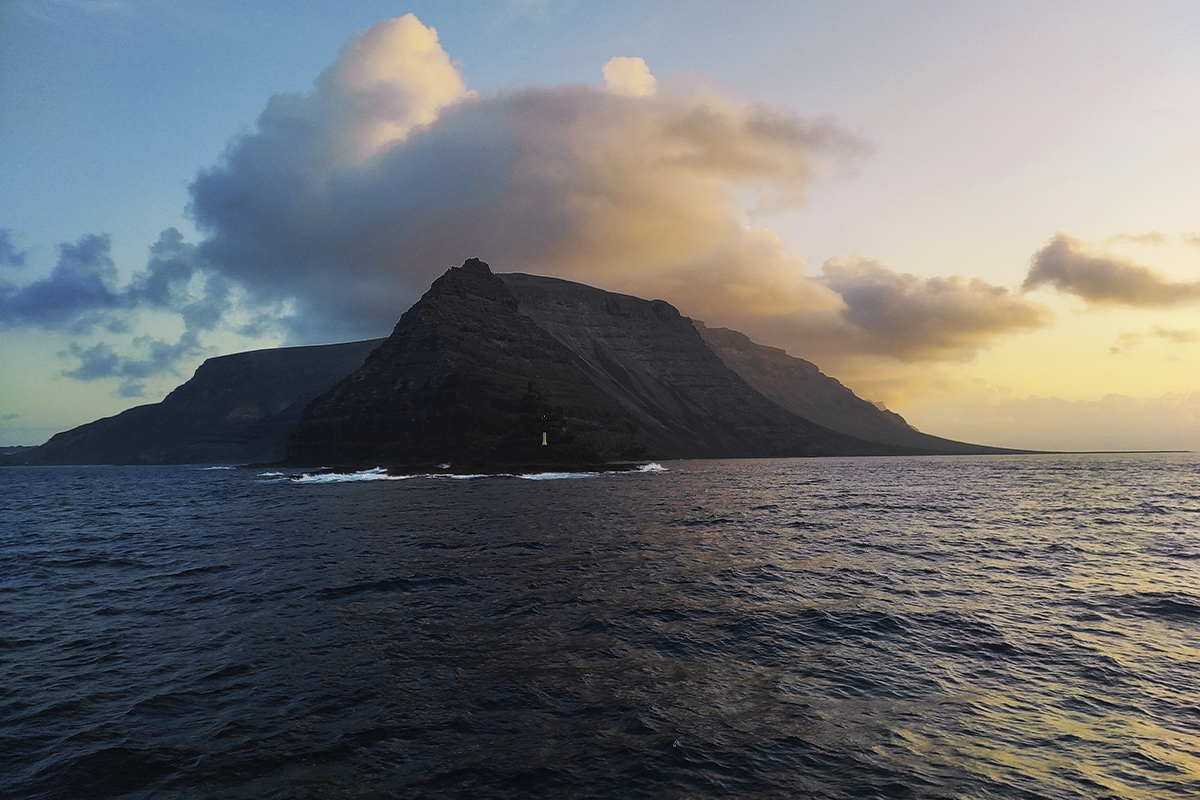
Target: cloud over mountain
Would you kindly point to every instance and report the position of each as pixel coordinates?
(352, 198)
(342, 205)
(1067, 264)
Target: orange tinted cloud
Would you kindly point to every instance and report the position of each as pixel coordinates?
(1067, 264)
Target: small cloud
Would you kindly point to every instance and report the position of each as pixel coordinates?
(78, 290)
(9, 417)
(1128, 340)
(82, 293)
(1066, 264)
(628, 76)
(10, 256)
(130, 388)
(1152, 238)
(1174, 336)
(154, 358)
(1192, 239)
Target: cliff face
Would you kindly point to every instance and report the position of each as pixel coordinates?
(238, 408)
(800, 387)
(687, 402)
(465, 378)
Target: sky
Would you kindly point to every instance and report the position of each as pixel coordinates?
(984, 215)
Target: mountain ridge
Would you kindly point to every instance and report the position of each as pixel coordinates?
(479, 369)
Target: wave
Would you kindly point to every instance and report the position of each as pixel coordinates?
(556, 476)
(374, 474)
(381, 474)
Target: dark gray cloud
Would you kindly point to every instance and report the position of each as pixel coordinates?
(74, 296)
(1066, 264)
(10, 256)
(83, 294)
(154, 357)
(914, 319)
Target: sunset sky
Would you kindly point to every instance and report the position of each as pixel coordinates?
(984, 215)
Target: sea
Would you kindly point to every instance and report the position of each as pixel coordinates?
(926, 627)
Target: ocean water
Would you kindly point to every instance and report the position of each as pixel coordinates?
(1000, 627)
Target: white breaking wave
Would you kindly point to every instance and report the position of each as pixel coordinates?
(556, 476)
(205, 469)
(381, 474)
(375, 474)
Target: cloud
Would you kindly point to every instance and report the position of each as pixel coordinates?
(350, 199)
(78, 290)
(628, 76)
(1192, 239)
(912, 319)
(1128, 340)
(1149, 238)
(10, 256)
(81, 291)
(155, 358)
(1066, 264)
(82, 294)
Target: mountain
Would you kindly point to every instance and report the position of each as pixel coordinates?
(238, 408)
(482, 365)
(479, 369)
(802, 388)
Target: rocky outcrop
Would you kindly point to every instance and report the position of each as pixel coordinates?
(239, 408)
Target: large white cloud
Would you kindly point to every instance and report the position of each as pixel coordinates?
(350, 199)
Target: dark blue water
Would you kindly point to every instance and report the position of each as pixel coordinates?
(1010, 627)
